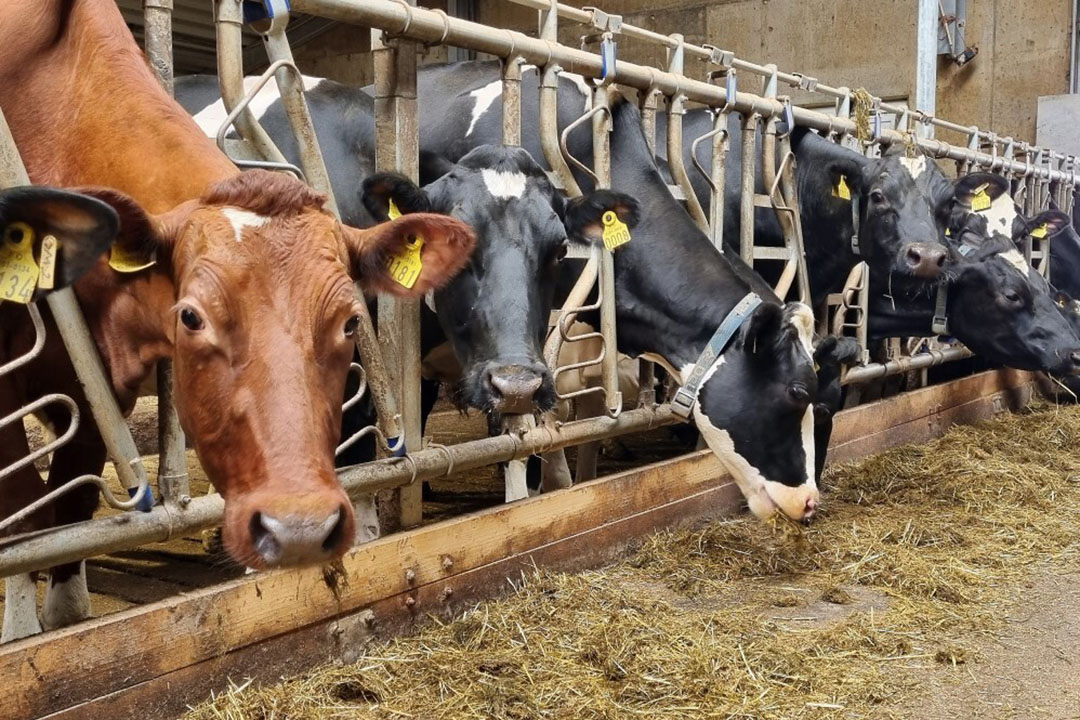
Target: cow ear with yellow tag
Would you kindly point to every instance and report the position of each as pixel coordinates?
(1047, 224)
(841, 189)
(388, 196)
(977, 192)
(602, 216)
(49, 239)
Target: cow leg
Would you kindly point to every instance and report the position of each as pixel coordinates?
(588, 406)
(555, 471)
(20, 607)
(67, 599)
(514, 480)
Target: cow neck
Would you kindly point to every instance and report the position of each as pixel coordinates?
(827, 235)
(85, 110)
(675, 287)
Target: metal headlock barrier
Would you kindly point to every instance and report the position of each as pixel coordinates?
(390, 356)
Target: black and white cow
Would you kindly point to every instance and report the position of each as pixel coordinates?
(756, 407)
(896, 235)
(495, 312)
(996, 303)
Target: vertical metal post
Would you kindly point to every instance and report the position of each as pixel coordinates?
(549, 111)
(601, 127)
(646, 370)
(676, 110)
(926, 67)
(172, 461)
(397, 141)
(746, 206)
(511, 101)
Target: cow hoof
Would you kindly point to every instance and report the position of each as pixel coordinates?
(66, 602)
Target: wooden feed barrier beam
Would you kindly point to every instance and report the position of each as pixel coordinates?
(154, 660)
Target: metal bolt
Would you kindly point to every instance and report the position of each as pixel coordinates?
(410, 576)
(447, 592)
(410, 602)
(185, 500)
(447, 562)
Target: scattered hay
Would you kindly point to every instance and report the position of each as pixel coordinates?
(688, 627)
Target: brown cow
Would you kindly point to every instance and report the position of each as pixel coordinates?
(251, 294)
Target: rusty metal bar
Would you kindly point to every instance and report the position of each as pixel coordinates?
(676, 108)
(397, 141)
(746, 206)
(902, 365)
(511, 101)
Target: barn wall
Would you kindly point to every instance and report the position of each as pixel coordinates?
(1023, 46)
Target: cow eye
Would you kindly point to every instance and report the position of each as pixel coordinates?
(191, 319)
(877, 197)
(351, 325)
(798, 394)
(1012, 296)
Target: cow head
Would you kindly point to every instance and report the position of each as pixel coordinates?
(81, 229)
(999, 306)
(261, 325)
(495, 312)
(888, 197)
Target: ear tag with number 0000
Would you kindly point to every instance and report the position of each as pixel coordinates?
(1041, 231)
(405, 267)
(392, 212)
(18, 271)
(123, 261)
(842, 190)
(981, 200)
(49, 247)
(616, 233)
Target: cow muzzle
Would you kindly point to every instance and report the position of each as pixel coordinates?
(799, 503)
(513, 388)
(303, 534)
(925, 259)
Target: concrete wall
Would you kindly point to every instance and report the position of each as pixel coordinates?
(1023, 47)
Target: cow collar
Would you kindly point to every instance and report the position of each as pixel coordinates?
(939, 325)
(686, 396)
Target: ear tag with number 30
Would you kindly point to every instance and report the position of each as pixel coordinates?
(842, 190)
(1041, 231)
(405, 266)
(18, 271)
(616, 234)
(981, 200)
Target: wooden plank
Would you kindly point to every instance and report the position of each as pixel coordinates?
(344, 637)
(199, 638)
(72, 665)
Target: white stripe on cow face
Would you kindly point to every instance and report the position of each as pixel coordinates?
(211, 117)
(241, 219)
(764, 496)
(504, 184)
(915, 166)
(1016, 259)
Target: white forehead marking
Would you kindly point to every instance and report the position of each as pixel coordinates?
(1000, 215)
(504, 184)
(241, 219)
(484, 97)
(916, 166)
(1016, 259)
(210, 118)
(803, 320)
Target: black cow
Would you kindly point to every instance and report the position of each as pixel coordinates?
(673, 289)
(495, 311)
(996, 304)
(896, 236)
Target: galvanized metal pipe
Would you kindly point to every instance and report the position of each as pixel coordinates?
(117, 532)
(746, 202)
(511, 101)
(676, 108)
(926, 64)
(601, 127)
(876, 371)
(157, 40)
(428, 26)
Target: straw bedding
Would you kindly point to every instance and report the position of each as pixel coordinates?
(916, 561)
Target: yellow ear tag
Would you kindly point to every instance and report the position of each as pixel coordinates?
(1041, 232)
(392, 212)
(18, 271)
(842, 190)
(49, 246)
(948, 232)
(405, 267)
(616, 233)
(981, 200)
(123, 261)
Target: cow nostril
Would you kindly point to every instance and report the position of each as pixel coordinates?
(940, 260)
(337, 531)
(914, 257)
(264, 538)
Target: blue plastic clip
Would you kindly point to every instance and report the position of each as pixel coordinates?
(146, 504)
(732, 87)
(256, 10)
(607, 57)
(401, 451)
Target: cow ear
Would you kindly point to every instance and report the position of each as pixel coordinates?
(432, 167)
(379, 190)
(842, 168)
(408, 256)
(143, 239)
(64, 233)
(967, 188)
(762, 330)
(1048, 224)
(584, 216)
